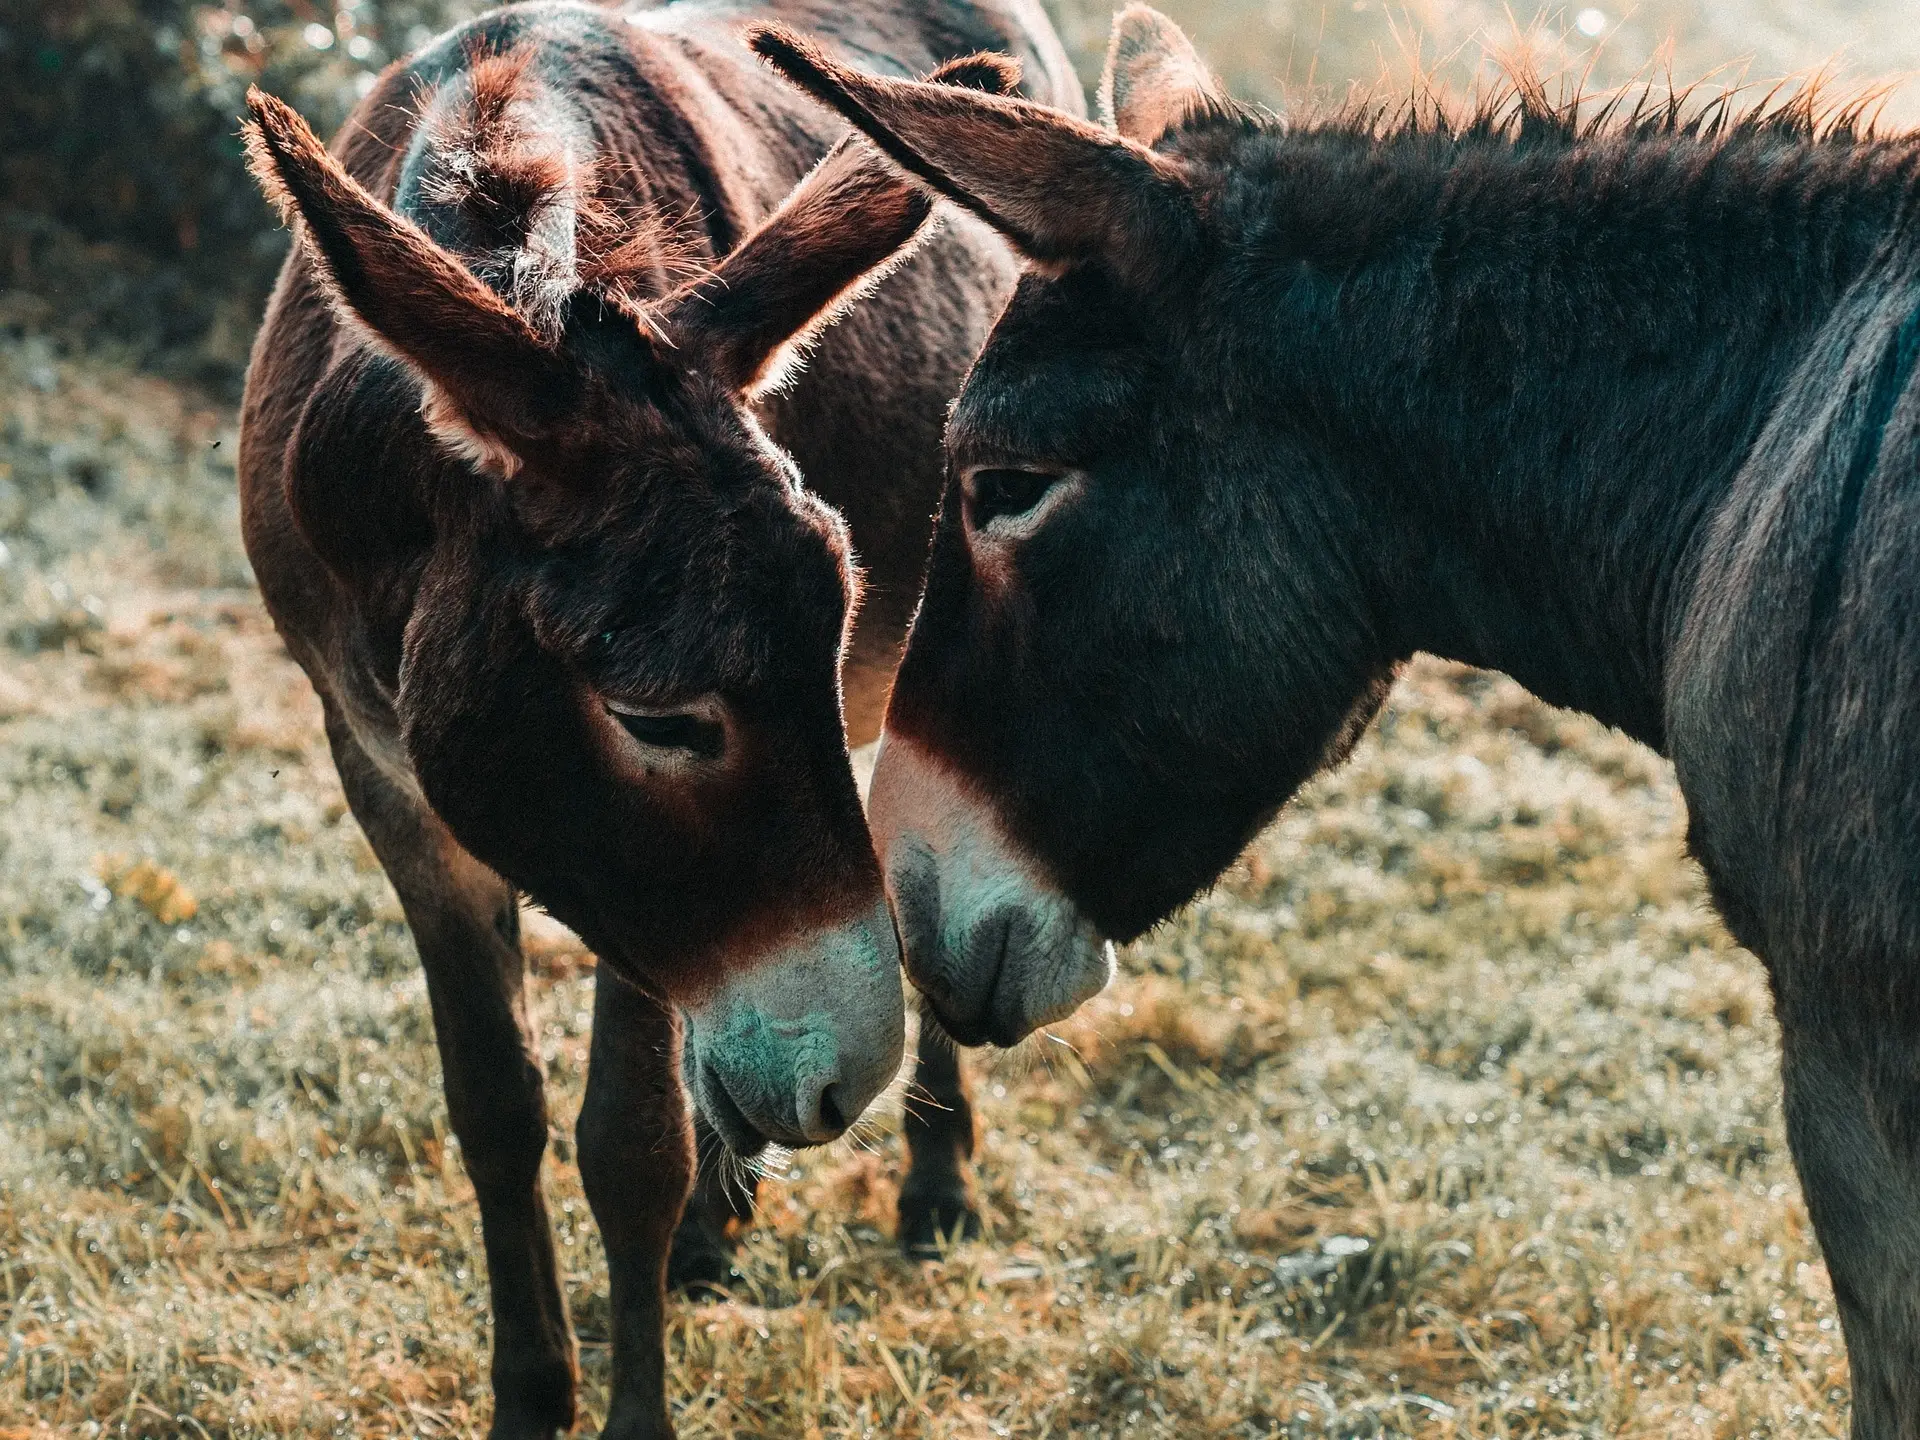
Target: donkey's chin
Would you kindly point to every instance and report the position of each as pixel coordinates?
(729, 1121)
(997, 951)
(792, 1050)
(997, 971)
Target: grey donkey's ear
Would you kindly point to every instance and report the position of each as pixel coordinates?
(835, 236)
(1060, 189)
(1154, 77)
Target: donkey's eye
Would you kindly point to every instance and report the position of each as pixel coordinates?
(1004, 494)
(694, 734)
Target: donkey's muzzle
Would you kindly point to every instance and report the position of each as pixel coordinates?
(794, 1049)
(994, 967)
(997, 951)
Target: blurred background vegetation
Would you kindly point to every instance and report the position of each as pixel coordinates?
(127, 220)
(127, 216)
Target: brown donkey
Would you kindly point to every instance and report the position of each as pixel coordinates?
(1626, 405)
(515, 489)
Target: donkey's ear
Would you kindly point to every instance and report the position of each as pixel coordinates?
(493, 386)
(1154, 77)
(844, 226)
(1059, 188)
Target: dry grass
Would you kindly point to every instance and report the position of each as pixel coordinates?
(1450, 1113)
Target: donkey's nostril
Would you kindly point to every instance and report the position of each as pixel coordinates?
(832, 1118)
(822, 1108)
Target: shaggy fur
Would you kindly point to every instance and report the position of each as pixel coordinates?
(1621, 398)
(505, 460)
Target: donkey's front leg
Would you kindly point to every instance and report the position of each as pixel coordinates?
(636, 1160)
(1853, 1119)
(465, 922)
(936, 1198)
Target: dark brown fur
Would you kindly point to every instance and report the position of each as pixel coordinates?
(497, 461)
(1623, 400)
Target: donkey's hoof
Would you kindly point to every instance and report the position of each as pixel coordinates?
(637, 1422)
(930, 1224)
(532, 1404)
(518, 1423)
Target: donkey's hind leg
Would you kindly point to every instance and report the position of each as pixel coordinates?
(465, 922)
(724, 1192)
(936, 1198)
(1853, 1120)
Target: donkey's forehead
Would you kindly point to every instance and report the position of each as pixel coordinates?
(705, 590)
(677, 466)
(1067, 356)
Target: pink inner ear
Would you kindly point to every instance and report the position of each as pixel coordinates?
(485, 368)
(1153, 76)
(449, 424)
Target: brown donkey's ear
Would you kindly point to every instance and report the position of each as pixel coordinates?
(493, 386)
(844, 226)
(837, 232)
(1059, 188)
(1154, 77)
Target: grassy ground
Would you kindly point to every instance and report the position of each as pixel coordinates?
(1450, 1113)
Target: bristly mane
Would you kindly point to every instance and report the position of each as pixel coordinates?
(1339, 183)
(1518, 110)
(513, 185)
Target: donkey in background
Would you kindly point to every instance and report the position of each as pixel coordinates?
(1625, 405)
(511, 487)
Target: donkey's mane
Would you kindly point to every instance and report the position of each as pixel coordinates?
(1800, 148)
(488, 164)
(533, 210)
(1527, 108)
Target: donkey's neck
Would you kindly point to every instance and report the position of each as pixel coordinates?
(1555, 368)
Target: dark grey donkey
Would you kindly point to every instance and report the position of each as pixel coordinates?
(1626, 407)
